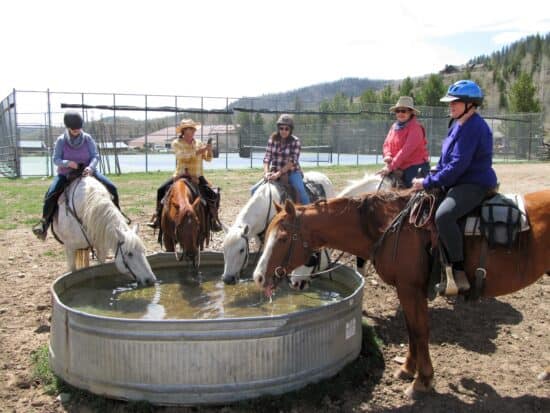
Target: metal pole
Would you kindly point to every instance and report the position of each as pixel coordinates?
(226, 135)
(115, 154)
(17, 138)
(202, 117)
(250, 134)
(146, 142)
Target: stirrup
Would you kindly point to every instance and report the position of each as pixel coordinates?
(455, 282)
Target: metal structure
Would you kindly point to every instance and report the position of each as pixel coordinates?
(206, 361)
(239, 129)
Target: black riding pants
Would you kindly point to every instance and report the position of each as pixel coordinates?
(459, 201)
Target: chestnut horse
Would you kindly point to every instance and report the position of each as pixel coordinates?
(183, 222)
(402, 258)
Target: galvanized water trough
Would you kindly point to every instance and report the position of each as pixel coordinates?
(202, 361)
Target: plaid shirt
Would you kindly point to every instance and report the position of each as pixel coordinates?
(279, 152)
(187, 158)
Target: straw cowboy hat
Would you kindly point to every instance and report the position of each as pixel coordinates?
(187, 123)
(405, 102)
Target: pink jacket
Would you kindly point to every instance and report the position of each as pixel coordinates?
(407, 146)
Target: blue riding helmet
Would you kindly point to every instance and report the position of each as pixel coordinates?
(464, 91)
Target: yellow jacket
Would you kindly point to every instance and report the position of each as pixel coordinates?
(187, 158)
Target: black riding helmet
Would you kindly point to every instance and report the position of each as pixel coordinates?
(73, 120)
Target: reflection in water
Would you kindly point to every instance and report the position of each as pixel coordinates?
(178, 295)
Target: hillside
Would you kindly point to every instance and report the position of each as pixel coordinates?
(310, 97)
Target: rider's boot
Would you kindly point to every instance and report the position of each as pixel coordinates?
(215, 224)
(41, 229)
(155, 219)
(455, 282)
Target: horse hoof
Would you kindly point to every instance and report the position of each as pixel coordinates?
(417, 389)
(403, 374)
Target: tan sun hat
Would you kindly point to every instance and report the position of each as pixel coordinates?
(405, 102)
(187, 123)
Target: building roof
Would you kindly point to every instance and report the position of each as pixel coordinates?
(110, 145)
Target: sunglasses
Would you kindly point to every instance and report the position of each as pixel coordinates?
(285, 128)
(401, 110)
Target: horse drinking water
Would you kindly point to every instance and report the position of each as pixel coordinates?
(87, 218)
(253, 220)
(184, 221)
(401, 258)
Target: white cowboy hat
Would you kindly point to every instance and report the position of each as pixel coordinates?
(405, 102)
(187, 123)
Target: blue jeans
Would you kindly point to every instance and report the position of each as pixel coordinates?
(52, 195)
(295, 179)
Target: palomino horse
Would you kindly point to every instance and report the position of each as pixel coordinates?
(87, 218)
(253, 220)
(401, 258)
(183, 222)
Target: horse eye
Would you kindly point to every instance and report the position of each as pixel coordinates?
(130, 254)
(241, 250)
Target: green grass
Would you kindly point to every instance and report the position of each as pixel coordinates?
(21, 199)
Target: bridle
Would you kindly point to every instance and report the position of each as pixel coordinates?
(119, 249)
(247, 240)
(280, 271)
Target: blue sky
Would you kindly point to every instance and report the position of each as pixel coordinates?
(245, 48)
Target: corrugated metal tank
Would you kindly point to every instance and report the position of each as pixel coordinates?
(209, 361)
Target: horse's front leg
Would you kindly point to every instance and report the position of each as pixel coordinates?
(71, 258)
(415, 307)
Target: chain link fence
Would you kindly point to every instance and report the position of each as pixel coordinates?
(134, 132)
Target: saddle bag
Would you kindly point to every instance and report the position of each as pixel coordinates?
(500, 221)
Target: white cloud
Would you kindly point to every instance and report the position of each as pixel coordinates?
(236, 48)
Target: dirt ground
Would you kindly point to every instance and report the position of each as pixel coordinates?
(486, 356)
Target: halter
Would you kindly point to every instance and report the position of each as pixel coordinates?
(119, 249)
(280, 271)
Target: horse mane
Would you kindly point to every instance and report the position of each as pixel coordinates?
(101, 218)
(356, 186)
(377, 210)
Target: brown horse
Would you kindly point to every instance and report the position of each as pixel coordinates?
(183, 222)
(355, 226)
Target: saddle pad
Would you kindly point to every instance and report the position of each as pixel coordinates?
(472, 222)
(315, 190)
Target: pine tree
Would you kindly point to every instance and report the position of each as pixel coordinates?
(522, 95)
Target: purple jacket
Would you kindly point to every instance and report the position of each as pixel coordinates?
(466, 157)
(81, 149)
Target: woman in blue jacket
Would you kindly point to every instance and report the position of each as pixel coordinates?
(464, 171)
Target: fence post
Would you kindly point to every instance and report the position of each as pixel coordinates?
(17, 138)
(50, 139)
(227, 134)
(146, 141)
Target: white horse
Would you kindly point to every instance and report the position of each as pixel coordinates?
(368, 183)
(253, 220)
(87, 217)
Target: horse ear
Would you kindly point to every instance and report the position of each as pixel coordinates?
(246, 229)
(289, 207)
(278, 207)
